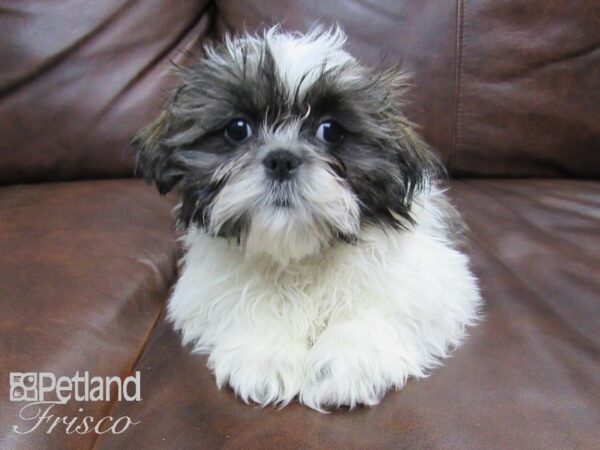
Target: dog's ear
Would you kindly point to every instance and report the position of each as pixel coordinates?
(154, 159)
(418, 164)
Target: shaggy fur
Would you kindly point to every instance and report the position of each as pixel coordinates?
(334, 284)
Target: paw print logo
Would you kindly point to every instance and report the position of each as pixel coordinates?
(23, 387)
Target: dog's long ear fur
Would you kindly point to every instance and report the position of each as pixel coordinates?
(154, 160)
(418, 164)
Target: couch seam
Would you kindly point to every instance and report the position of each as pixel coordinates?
(216, 34)
(143, 347)
(460, 14)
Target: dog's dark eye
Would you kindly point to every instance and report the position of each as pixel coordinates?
(238, 130)
(329, 132)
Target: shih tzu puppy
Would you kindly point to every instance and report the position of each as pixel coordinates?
(320, 255)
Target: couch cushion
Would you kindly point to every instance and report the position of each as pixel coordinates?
(85, 268)
(528, 376)
(500, 88)
(528, 88)
(79, 79)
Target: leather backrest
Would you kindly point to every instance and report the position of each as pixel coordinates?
(79, 78)
(501, 88)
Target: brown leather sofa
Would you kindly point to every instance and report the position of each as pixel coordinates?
(507, 91)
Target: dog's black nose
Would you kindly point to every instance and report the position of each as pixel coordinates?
(281, 164)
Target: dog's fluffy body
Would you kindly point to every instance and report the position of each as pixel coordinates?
(338, 328)
(334, 286)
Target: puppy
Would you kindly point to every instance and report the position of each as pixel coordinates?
(321, 259)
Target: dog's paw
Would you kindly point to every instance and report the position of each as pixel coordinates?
(350, 366)
(338, 382)
(267, 377)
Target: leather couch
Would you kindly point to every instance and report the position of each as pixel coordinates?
(507, 91)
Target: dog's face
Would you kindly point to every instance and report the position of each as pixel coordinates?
(286, 145)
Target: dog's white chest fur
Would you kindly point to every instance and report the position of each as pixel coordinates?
(338, 328)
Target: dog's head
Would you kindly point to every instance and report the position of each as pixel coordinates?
(286, 145)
